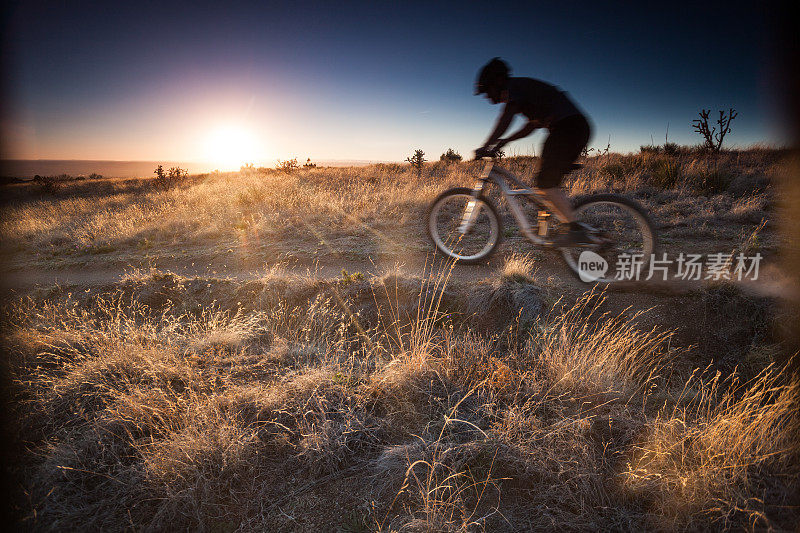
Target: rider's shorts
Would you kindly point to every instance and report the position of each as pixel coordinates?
(564, 144)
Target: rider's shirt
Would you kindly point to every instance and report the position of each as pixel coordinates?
(541, 102)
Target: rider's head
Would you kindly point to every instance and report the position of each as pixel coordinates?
(492, 79)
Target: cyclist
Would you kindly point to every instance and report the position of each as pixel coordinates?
(545, 106)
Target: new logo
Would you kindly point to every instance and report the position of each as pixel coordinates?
(591, 266)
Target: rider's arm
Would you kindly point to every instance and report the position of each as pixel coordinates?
(503, 123)
(524, 131)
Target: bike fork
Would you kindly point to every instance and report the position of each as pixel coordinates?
(473, 209)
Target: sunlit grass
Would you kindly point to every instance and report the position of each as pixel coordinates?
(350, 210)
(389, 402)
(203, 404)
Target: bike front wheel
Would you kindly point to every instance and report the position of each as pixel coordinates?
(626, 235)
(464, 227)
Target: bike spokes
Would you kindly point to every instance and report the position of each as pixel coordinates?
(626, 239)
(463, 227)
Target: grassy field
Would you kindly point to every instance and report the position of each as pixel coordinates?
(355, 213)
(394, 401)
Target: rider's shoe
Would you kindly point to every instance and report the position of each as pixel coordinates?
(573, 237)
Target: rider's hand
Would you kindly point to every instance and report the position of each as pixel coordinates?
(483, 151)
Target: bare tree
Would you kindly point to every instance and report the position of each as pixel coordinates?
(713, 138)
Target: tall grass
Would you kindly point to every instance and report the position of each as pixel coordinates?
(389, 412)
(725, 454)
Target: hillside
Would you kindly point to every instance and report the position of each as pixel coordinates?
(282, 351)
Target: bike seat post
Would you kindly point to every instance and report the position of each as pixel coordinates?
(543, 222)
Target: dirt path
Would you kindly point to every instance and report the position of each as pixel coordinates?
(548, 268)
(22, 280)
(681, 307)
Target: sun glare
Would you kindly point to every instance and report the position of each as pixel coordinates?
(228, 147)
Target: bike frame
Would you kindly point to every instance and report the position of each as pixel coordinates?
(501, 177)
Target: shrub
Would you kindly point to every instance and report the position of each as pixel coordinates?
(161, 178)
(614, 171)
(671, 148)
(170, 178)
(289, 165)
(597, 152)
(665, 173)
(649, 149)
(417, 160)
(49, 184)
(712, 182)
(351, 277)
(450, 156)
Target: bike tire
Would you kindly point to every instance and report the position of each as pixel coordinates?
(647, 227)
(443, 243)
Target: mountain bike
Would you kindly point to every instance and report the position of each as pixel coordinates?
(465, 225)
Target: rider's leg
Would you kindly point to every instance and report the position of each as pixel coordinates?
(555, 199)
(563, 146)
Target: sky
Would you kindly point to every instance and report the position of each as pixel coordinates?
(237, 82)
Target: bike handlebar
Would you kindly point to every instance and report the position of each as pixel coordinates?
(486, 153)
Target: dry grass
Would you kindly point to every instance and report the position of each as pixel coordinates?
(726, 456)
(386, 403)
(352, 212)
(519, 268)
(372, 405)
(604, 356)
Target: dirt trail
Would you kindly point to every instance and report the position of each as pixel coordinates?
(682, 307)
(548, 268)
(21, 280)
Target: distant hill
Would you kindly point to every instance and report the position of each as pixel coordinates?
(27, 168)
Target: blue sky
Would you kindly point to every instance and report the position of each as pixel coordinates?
(363, 80)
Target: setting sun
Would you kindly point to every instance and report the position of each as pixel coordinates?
(228, 147)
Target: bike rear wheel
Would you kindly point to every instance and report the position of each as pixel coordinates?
(463, 227)
(627, 235)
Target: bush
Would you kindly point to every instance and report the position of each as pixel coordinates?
(450, 156)
(289, 165)
(671, 148)
(49, 184)
(417, 160)
(170, 178)
(614, 171)
(665, 173)
(712, 182)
